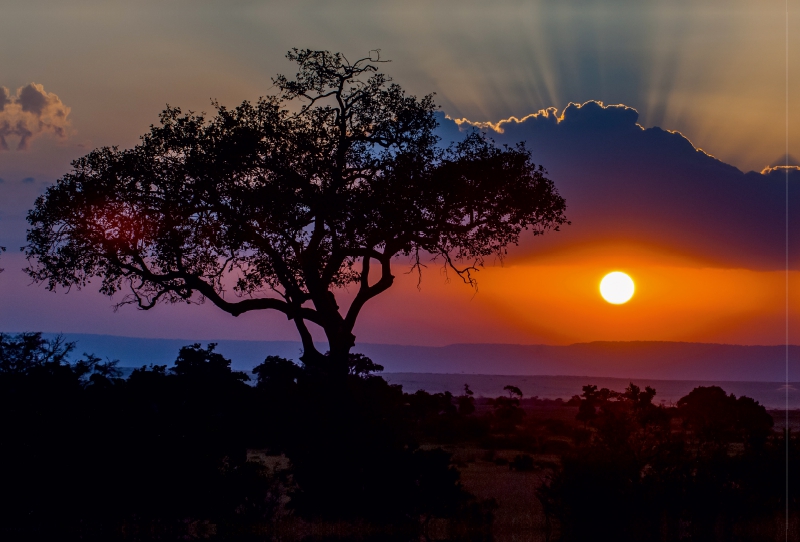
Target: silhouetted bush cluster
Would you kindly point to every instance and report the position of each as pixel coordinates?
(163, 454)
(83, 449)
(444, 418)
(709, 469)
(86, 453)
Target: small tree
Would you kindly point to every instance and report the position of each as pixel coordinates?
(196, 363)
(512, 391)
(279, 204)
(507, 410)
(466, 402)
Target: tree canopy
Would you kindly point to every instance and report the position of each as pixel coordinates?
(279, 204)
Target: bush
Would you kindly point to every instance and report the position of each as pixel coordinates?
(522, 462)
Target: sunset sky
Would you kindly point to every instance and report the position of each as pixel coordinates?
(657, 121)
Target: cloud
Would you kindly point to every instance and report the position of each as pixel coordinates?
(28, 180)
(623, 182)
(4, 98)
(786, 169)
(783, 160)
(29, 113)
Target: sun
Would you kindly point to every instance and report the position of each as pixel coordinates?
(616, 288)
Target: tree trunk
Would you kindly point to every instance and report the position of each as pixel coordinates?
(334, 363)
(340, 342)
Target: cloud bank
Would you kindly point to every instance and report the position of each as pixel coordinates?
(623, 182)
(29, 113)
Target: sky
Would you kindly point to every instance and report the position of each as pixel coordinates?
(657, 121)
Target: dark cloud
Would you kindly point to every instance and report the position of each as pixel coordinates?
(783, 160)
(624, 182)
(4, 98)
(28, 180)
(32, 99)
(30, 113)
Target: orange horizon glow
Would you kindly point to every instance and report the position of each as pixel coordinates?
(555, 300)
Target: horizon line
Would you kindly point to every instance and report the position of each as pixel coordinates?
(218, 340)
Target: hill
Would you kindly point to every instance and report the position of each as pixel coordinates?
(640, 359)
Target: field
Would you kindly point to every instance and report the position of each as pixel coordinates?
(200, 452)
(497, 473)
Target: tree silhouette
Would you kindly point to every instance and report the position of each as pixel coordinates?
(280, 204)
(718, 417)
(512, 391)
(27, 354)
(195, 363)
(466, 402)
(507, 410)
(637, 478)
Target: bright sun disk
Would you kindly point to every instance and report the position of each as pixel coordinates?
(616, 288)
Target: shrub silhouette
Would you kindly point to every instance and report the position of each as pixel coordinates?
(82, 449)
(635, 478)
(717, 417)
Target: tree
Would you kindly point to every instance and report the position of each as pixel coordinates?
(466, 402)
(29, 354)
(277, 374)
(282, 203)
(195, 363)
(26, 352)
(512, 391)
(720, 417)
(507, 410)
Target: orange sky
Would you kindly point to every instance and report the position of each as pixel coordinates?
(555, 299)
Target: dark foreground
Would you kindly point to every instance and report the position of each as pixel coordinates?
(198, 451)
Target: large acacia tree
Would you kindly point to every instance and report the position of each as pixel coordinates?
(280, 204)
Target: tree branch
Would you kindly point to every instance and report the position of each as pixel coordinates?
(245, 305)
(195, 283)
(367, 292)
(310, 352)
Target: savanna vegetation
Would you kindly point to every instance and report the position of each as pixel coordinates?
(198, 450)
(276, 205)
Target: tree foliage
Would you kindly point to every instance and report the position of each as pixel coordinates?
(719, 417)
(280, 203)
(637, 477)
(30, 354)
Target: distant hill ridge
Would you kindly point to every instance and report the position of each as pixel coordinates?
(636, 359)
(639, 359)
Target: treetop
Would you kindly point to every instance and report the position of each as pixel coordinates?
(276, 204)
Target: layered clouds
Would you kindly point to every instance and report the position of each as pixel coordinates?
(625, 183)
(30, 113)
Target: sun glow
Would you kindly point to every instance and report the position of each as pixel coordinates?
(616, 288)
